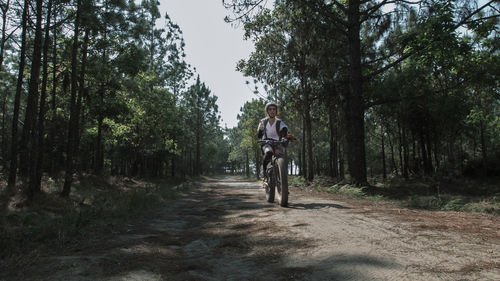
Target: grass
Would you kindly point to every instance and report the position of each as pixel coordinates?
(97, 206)
(463, 195)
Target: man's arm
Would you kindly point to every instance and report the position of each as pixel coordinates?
(283, 132)
(260, 133)
(260, 130)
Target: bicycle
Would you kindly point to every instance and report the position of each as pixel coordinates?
(276, 177)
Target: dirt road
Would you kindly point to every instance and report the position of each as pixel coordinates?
(224, 230)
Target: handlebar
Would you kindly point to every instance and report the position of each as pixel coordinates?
(272, 142)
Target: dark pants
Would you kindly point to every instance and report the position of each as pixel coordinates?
(267, 159)
(268, 154)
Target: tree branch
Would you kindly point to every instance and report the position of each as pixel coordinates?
(245, 14)
(481, 19)
(414, 51)
(398, 99)
(464, 20)
(324, 12)
(12, 33)
(340, 6)
(394, 63)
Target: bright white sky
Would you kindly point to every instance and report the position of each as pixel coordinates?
(213, 47)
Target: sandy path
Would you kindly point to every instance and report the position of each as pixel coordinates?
(226, 231)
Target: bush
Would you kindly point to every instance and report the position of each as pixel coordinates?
(423, 202)
(347, 190)
(477, 169)
(484, 206)
(457, 204)
(297, 181)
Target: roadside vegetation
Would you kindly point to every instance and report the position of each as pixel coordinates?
(94, 97)
(465, 195)
(97, 207)
(391, 100)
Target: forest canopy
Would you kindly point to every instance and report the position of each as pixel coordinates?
(369, 88)
(375, 88)
(100, 87)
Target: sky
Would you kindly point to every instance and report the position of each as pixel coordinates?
(214, 47)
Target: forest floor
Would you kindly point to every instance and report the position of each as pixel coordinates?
(223, 229)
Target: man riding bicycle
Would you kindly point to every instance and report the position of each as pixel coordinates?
(271, 127)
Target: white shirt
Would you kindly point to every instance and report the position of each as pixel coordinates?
(271, 129)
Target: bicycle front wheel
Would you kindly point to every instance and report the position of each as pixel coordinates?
(282, 182)
(271, 185)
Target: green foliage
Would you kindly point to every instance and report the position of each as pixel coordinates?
(346, 190)
(426, 115)
(203, 138)
(136, 111)
(424, 202)
(454, 205)
(243, 138)
(297, 181)
(55, 222)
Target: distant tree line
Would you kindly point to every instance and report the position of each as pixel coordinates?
(372, 88)
(100, 86)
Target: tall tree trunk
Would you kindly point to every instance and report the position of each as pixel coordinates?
(247, 164)
(341, 161)
(198, 155)
(355, 112)
(318, 167)
(4, 131)
(99, 152)
(300, 162)
(53, 102)
(310, 161)
(394, 166)
(429, 151)
(304, 162)
(172, 165)
(82, 91)
(4, 148)
(424, 154)
(333, 162)
(436, 152)
(73, 119)
(30, 133)
(43, 97)
(400, 147)
(384, 169)
(484, 152)
(5, 10)
(405, 154)
(414, 167)
(17, 102)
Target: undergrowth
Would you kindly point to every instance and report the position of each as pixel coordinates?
(464, 196)
(96, 206)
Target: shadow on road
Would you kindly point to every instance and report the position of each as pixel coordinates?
(214, 233)
(313, 206)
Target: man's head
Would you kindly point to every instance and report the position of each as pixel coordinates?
(271, 109)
